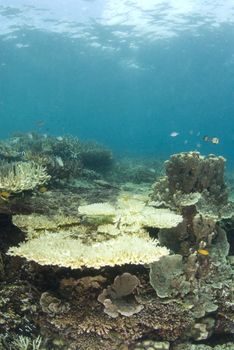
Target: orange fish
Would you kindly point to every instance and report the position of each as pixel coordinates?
(5, 195)
(203, 252)
(42, 189)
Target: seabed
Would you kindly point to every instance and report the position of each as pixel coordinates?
(98, 252)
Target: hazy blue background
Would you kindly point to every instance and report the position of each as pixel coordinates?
(125, 73)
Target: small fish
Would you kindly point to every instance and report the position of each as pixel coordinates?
(214, 140)
(40, 123)
(5, 195)
(174, 133)
(59, 161)
(203, 252)
(30, 135)
(42, 189)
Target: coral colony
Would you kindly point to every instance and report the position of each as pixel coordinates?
(98, 253)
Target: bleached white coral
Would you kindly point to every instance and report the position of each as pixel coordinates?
(16, 177)
(109, 229)
(97, 209)
(133, 212)
(40, 222)
(63, 250)
(152, 217)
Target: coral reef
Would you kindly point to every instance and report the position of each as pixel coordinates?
(105, 265)
(194, 185)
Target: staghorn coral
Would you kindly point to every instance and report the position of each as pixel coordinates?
(63, 250)
(21, 176)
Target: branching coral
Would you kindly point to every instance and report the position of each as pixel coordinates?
(17, 177)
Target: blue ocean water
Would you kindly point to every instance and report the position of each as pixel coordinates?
(125, 73)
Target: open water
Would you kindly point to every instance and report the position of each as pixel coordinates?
(125, 73)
